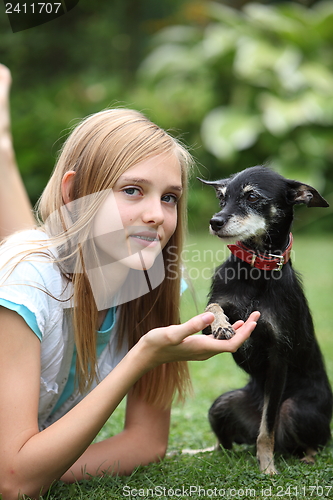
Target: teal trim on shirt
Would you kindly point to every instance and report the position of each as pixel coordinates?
(183, 286)
(103, 337)
(28, 316)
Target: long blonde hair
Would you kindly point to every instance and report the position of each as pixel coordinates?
(99, 150)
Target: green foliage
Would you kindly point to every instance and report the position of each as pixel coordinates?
(257, 83)
(66, 69)
(240, 87)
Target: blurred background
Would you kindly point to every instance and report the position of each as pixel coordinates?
(241, 83)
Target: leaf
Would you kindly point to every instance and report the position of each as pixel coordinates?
(225, 14)
(281, 115)
(225, 131)
(218, 40)
(177, 34)
(268, 18)
(169, 59)
(318, 77)
(261, 63)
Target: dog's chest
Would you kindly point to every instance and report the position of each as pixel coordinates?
(240, 297)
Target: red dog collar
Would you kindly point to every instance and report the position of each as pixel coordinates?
(269, 262)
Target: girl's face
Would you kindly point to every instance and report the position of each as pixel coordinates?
(140, 215)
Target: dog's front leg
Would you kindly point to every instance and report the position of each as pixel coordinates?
(274, 388)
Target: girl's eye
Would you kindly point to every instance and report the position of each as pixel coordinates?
(170, 198)
(131, 191)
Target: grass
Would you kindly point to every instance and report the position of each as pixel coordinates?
(232, 474)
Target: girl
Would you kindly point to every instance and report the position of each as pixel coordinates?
(90, 309)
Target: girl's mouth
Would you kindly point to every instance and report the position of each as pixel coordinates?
(146, 239)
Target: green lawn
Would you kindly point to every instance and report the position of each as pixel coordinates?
(226, 474)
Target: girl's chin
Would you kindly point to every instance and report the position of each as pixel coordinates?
(141, 261)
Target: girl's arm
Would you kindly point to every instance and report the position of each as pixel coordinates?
(144, 440)
(15, 208)
(31, 460)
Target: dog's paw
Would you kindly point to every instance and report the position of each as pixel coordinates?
(270, 470)
(221, 328)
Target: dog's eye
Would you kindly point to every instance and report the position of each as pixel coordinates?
(222, 201)
(252, 197)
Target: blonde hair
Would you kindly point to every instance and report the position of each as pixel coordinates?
(99, 150)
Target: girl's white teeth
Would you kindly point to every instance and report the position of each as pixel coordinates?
(145, 238)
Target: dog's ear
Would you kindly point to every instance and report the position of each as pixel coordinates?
(214, 184)
(298, 192)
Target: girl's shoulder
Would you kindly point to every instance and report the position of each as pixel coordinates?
(32, 245)
(30, 277)
(29, 239)
(27, 258)
(17, 244)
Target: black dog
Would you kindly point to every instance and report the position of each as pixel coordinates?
(287, 404)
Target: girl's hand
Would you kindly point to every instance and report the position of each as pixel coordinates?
(177, 342)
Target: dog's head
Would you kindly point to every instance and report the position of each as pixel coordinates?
(255, 200)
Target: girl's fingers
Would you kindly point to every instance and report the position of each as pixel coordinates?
(198, 323)
(243, 331)
(254, 316)
(193, 325)
(238, 324)
(176, 342)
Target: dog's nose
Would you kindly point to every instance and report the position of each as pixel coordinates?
(217, 223)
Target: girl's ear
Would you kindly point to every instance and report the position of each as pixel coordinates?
(67, 186)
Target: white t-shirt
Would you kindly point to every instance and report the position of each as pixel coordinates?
(37, 290)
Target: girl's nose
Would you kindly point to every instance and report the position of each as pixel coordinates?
(153, 212)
